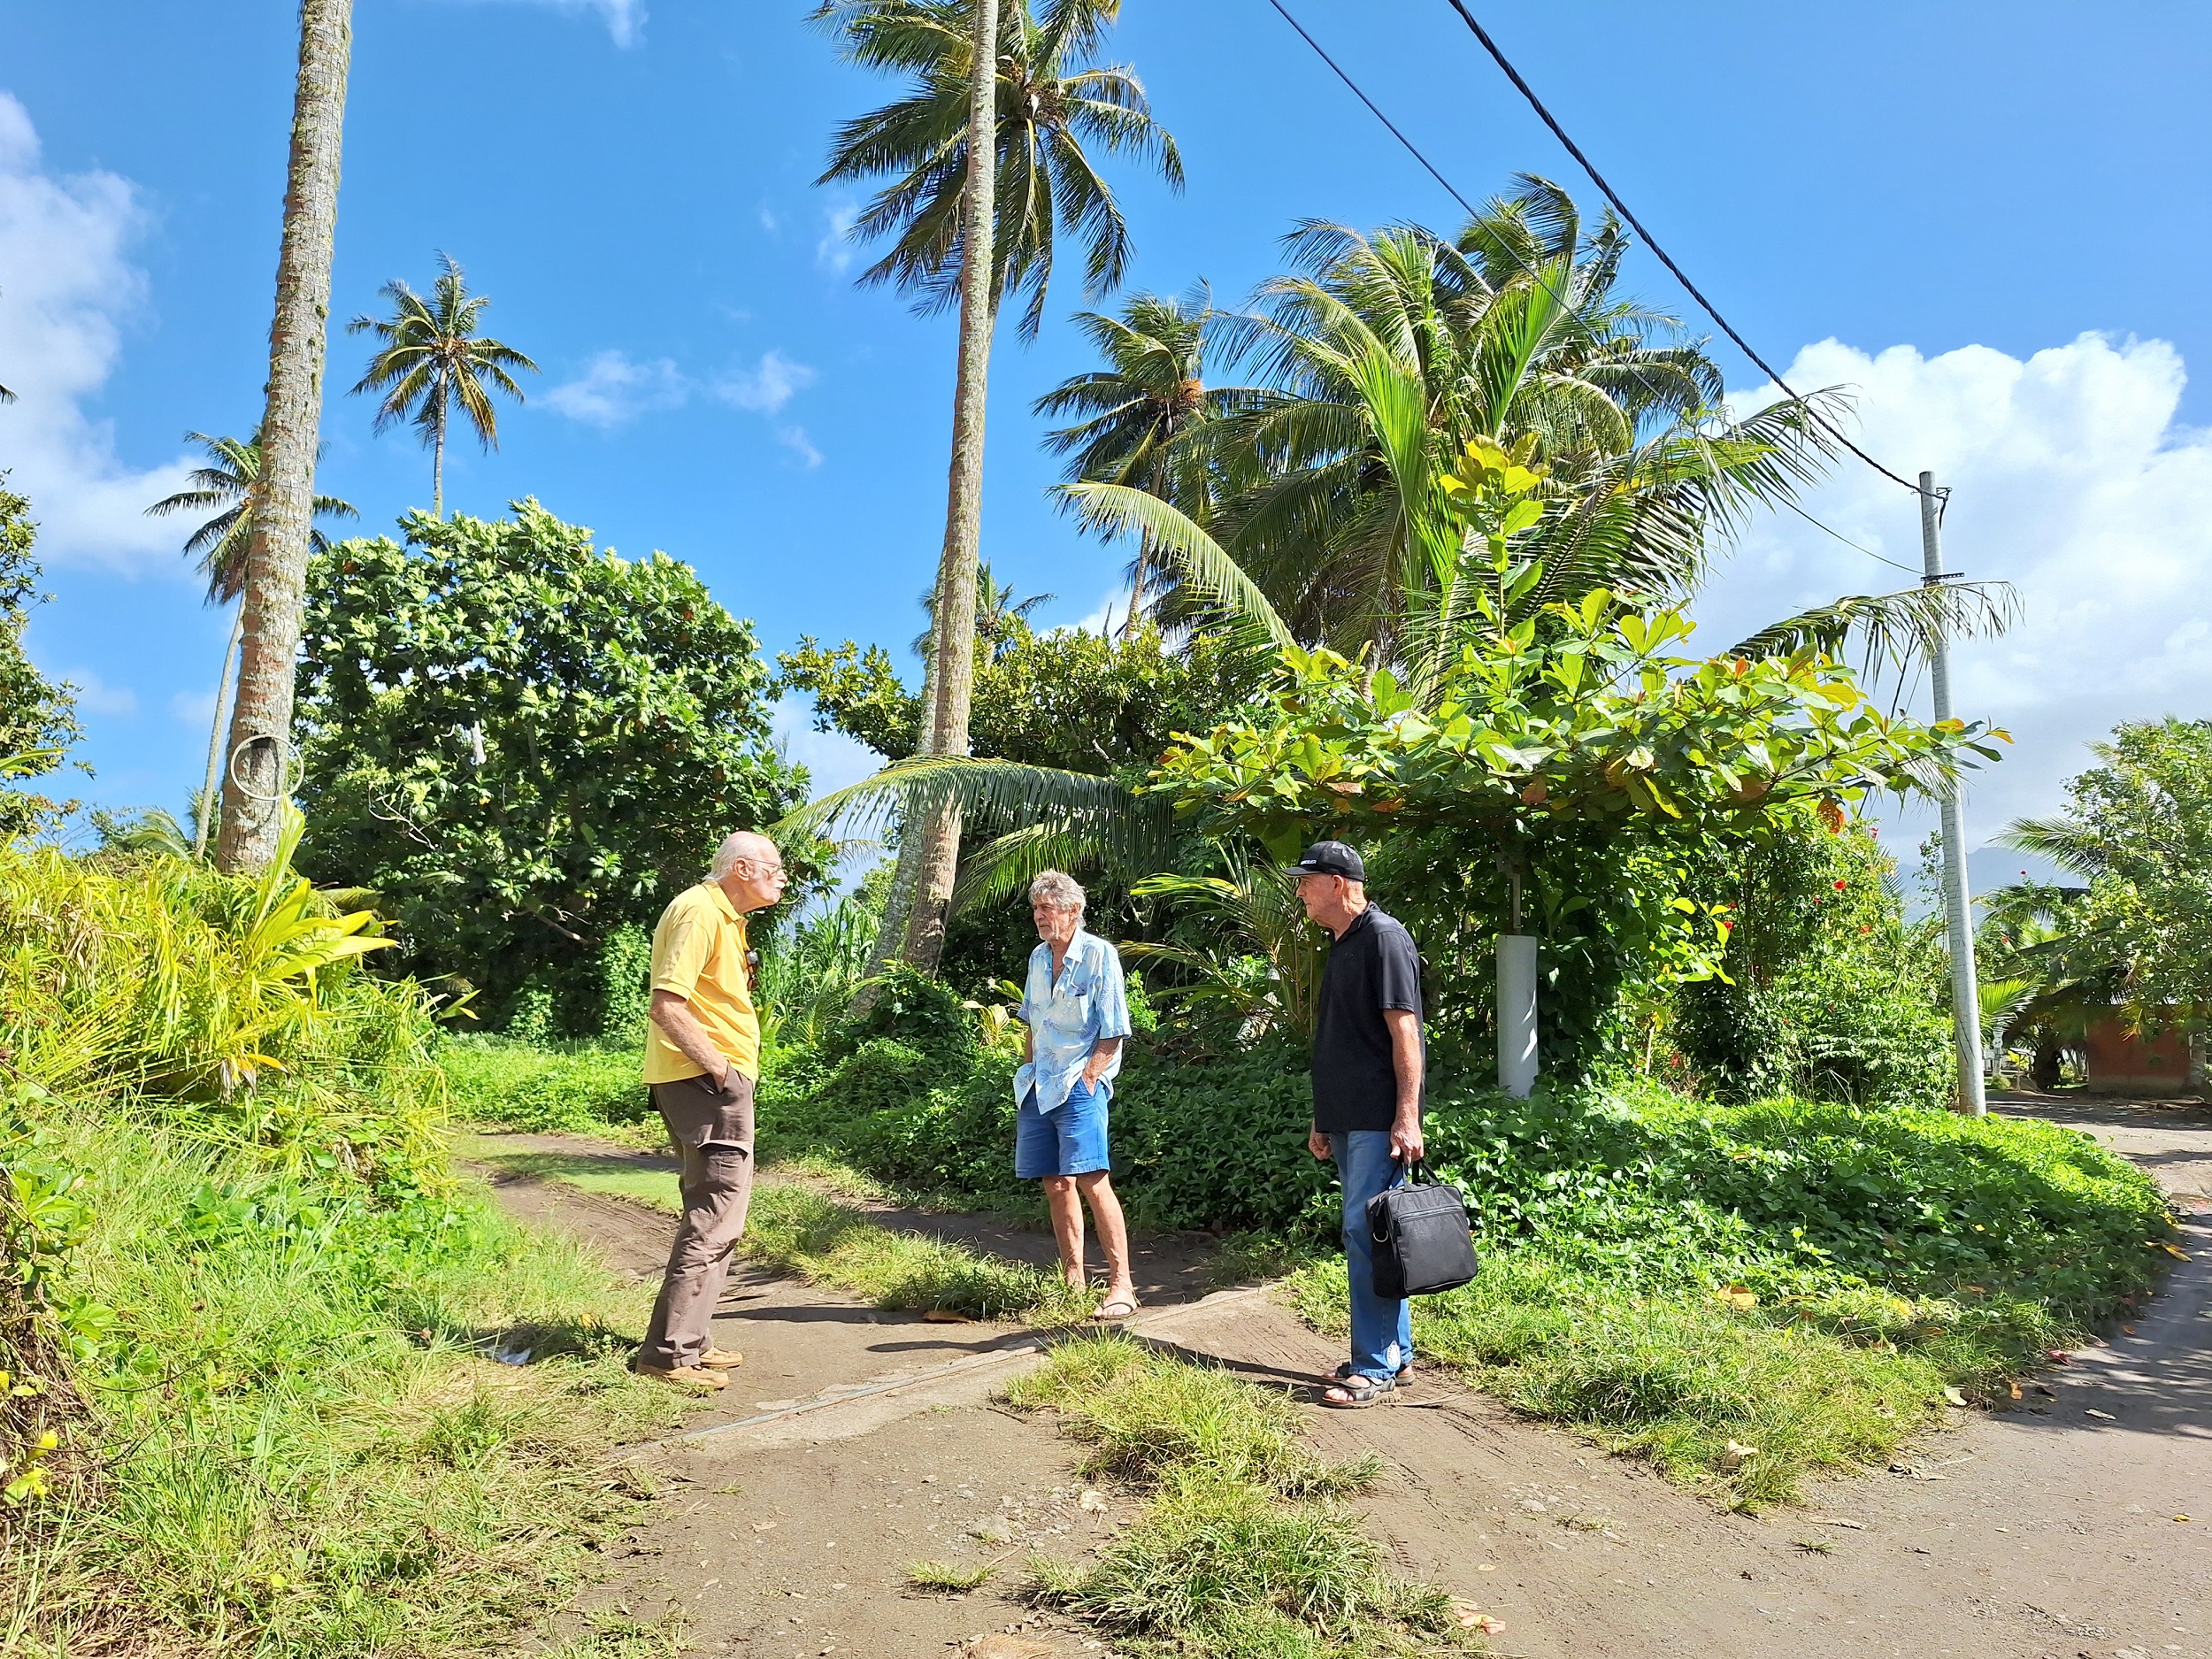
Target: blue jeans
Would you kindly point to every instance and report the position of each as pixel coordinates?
(1382, 1330)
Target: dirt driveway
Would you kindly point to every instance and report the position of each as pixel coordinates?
(865, 1442)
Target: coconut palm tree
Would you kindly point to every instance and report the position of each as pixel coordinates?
(223, 541)
(1138, 416)
(996, 610)
(986, 162)
(225, 484)
(432, 358)
(276, 564)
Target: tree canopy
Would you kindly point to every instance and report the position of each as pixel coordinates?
(522, 742)
(2138, 827)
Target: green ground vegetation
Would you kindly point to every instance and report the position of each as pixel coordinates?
(1245, 1549)
(278, 1384)
(1668, 1274)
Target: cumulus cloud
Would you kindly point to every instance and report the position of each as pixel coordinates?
(624, 19)
(795, 439)
(2072, 480)
(835, 252)
(768, 387)
(67, 287)
(193, 708)
(614, 388)
(97, 697)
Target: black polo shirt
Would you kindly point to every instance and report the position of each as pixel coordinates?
(1374, 966)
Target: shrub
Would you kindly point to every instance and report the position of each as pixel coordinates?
(579, 1087)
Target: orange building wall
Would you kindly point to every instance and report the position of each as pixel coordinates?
(2121, 1062)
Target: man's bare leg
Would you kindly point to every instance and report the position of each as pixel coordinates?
(1067, 1227)
(1113, 1233)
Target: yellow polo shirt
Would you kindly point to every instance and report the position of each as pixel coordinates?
(699, 953)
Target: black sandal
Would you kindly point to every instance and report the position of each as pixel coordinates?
(1359, 1392)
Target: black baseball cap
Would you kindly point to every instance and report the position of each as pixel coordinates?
(1329, 858)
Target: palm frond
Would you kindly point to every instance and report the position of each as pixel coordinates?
(1204, 564)
(1130, 830)
(1895, 629)
(2069, 844)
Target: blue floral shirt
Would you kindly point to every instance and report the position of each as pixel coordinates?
(1068, 1020)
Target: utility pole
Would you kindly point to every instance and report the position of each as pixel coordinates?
(1958, 915)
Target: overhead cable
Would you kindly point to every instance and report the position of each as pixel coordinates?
(1451, 190)
(1650, 242)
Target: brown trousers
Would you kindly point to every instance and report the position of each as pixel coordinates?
(713, 1133)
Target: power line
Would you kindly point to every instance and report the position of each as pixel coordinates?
(1429, 166)
(1650, 242)
(1910, 570)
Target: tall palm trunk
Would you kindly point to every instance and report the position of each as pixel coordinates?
(929, 853)
(437, 475)
(205, 811)
(254, 783)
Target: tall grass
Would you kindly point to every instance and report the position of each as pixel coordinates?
(308, 1443)
(151, 986)
(272, 1335)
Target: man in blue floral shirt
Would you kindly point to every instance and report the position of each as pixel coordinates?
(1075, 1013)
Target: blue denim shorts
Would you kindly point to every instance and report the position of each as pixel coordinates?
(1068, 1141)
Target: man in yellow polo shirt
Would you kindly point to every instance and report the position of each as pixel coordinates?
(702, 1060)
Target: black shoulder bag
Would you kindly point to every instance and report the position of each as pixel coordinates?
(1422, 1241)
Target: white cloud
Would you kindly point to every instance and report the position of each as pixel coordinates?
(614, 388)
(770, 221)
(767, 388)
(795, 439)
(835, 252)
(1111, 612)
(67, 287)
(833, 760)
(97, 697)
(624, 19)
(2071, 479)
(193, 708)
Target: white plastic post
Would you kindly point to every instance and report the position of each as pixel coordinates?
(1517, 1013)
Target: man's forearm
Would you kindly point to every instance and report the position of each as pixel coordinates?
(1405, 1062)
(675, 1018)
(1102, 1052)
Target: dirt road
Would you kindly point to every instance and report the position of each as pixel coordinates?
(2045, 1533)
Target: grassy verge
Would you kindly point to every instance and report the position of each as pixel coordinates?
(799, 1229)
(1244, 1550)
(563, 1087)
(308, 1443)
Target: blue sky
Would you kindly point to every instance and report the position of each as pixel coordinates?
(1991, 218)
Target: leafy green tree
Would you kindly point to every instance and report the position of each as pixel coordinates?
(224, 488)
(979, 228)
(38, 718)
(522, 743)
(431, 359)
(1137, 419)
(2139, 828)
(1566, 780)
(1829, 994)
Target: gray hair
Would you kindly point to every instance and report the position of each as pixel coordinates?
(1056, 888)
(738, 844)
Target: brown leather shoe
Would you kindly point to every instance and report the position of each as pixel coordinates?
(696, 1379)
(721, 1359)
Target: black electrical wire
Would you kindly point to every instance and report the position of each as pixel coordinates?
(1650, 242)
(1429, 166)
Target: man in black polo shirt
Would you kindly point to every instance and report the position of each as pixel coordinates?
(1367, 1067)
